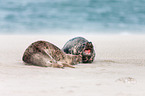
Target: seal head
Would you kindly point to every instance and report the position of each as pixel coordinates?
(80, 46)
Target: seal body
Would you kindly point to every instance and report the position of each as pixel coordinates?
(45, 54)
(80, 46)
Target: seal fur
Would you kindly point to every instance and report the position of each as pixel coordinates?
(46, 54)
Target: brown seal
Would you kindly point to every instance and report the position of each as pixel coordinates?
(45, 54)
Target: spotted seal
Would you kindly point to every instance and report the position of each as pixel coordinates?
(45, 54)
(80, 46)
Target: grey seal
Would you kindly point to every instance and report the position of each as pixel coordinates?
(46, 54)
(80, 46)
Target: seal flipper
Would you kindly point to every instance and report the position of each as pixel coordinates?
(67, 65)
(52, 60)
(40, 59)
(57, 64)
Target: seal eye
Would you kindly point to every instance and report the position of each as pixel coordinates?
(84, 44)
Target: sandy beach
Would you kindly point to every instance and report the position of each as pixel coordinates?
(118, 69)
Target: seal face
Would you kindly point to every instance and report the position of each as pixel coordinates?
(46, 54)
(80, 46)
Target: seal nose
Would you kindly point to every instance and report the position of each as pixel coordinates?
(87, 52)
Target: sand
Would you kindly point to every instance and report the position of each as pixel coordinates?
(118, 69)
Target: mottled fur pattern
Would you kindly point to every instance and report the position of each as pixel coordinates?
(77, 46)
(42, 53)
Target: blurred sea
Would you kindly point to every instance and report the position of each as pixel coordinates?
(72, 16)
